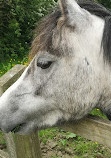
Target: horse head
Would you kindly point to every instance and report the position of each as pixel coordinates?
(69, 74)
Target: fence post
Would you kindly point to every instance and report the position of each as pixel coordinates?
(19, 146)
(27, 146)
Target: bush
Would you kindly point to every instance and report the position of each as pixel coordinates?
(17, 20)
(106, 3)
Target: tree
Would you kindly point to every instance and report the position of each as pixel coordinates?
(17, 20)
(106, 3)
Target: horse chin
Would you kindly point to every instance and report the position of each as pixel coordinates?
(24, 130)
(28, 128)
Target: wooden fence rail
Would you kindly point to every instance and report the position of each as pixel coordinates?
(93, 128)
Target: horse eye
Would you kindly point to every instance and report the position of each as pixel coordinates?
(44, 65)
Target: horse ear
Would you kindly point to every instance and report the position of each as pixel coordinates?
(72, 11)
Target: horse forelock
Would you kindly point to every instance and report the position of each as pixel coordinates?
(44, 32)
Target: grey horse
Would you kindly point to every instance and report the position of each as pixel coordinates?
(70, 71)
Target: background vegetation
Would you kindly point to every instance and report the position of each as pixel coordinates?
(106, 3)
(17, 20)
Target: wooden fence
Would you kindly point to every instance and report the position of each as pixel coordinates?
(93, 128)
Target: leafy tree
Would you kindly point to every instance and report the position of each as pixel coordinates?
(106, 3)
(17, 20)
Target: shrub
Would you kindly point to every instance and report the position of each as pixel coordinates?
(17, 20)
(106, 3)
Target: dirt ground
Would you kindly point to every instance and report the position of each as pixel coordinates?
(52, 150)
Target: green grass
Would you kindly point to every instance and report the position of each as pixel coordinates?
(57, 142)
(70, 144)
(98, 113)
(7, 64)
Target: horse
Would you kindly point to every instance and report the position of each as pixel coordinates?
(70, 71)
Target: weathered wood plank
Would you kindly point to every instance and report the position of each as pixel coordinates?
(10, 145)
(3, 154)
(28, 146)
(10, 77)
(93, 128)
(20, 146)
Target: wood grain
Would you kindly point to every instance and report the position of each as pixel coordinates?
(93, 128)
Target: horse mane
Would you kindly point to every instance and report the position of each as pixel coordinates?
(44, 31)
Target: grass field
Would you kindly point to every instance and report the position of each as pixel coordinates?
(57, 143)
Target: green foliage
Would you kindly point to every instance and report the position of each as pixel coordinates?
(106, 3)
(71, 135)
(17, 20)
(70, 145)
(9, 63)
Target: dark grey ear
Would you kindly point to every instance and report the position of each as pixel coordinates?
(72, 12)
